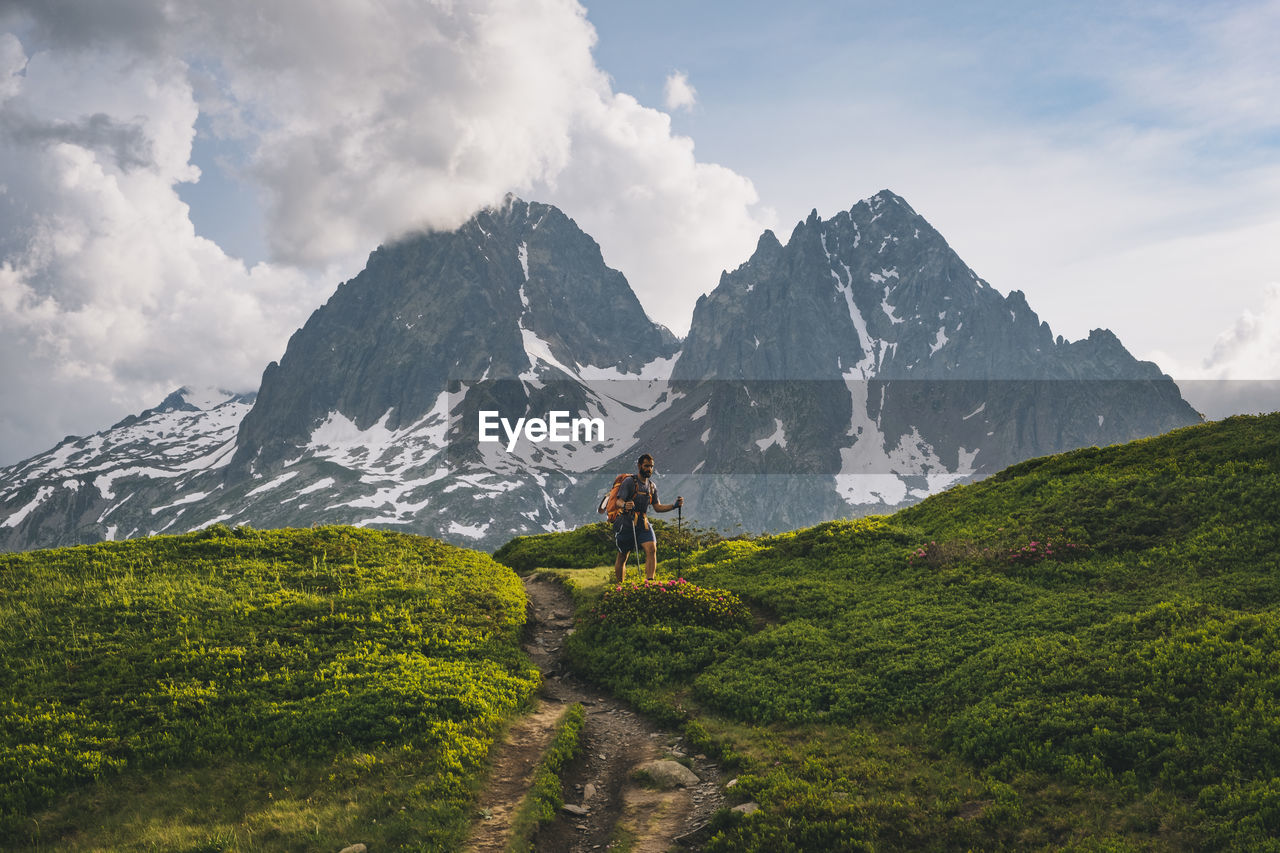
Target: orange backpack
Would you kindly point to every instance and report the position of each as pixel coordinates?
(611, 504)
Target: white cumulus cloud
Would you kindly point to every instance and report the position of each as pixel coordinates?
(108, 298)
(671, 223)
(356, 123)
(677, 93)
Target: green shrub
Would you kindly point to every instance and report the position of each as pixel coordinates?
(587, 546)
(679, 601)
(644, 638)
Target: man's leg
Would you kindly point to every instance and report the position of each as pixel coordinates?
(620, 566)
(650, 559)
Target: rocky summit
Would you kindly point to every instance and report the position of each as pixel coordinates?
(511, 288)
(863, 366)
(490, 381)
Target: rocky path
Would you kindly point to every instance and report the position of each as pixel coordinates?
(604, 806)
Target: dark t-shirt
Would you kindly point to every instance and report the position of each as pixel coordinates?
(644, 493)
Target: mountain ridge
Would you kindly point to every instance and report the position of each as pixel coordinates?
(861, 366)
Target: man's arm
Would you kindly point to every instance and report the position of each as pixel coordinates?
(669, 507)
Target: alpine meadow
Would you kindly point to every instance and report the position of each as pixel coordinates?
(1080, 652)
(246, 690)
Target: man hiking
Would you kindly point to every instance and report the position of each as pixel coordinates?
(637, 494)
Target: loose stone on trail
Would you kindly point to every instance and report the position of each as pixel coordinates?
(668, 774)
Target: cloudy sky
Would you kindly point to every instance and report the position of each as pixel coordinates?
(181, 184)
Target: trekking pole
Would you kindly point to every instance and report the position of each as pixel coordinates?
(680, 538)
(635, 545)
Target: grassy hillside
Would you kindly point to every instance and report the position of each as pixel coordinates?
(1082, 652)
(224, 690)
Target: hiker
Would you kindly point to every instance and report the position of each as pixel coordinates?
(637, 494)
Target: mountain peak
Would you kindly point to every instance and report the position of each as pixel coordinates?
(768, 242)
(882, 204)
(518, 290)
(886, 196)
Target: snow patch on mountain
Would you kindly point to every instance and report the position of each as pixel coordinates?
(22, 512)
(378, 449)
(471, 531)
(278, 481)
(872, 473)
(393, 499)
(194, 497)
(889, 310)
(318, 486)
(779, 437)
(106, 512)
(866, 366)
(539, 351)
(659, 369)
(104, 482)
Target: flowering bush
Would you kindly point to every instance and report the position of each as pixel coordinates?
(1037, 550)
(1019, 551)
(936, 555)
(671, 601)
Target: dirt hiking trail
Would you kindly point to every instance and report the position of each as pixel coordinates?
(605, 808)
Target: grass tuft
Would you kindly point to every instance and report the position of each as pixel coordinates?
(546, 794)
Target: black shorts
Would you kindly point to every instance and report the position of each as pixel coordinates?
(622, 534)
